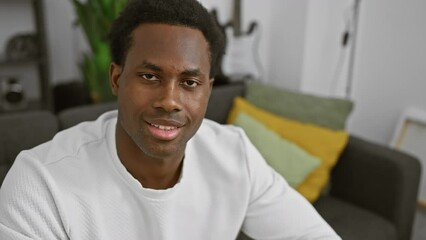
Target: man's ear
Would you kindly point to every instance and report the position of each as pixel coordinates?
(211, 82)
(114, 77)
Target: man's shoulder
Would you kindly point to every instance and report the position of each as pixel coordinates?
(210, 128)
(221, 139)
(74, 141)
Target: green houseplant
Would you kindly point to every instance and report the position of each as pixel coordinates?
(95, 17)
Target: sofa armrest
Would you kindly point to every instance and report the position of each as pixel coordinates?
(380, 179)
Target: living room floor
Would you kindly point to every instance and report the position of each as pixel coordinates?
(419, 230)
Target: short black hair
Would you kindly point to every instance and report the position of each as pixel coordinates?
(188, 13)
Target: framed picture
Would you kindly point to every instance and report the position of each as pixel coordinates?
(410, 136)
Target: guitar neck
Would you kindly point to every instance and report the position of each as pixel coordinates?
(237, 18)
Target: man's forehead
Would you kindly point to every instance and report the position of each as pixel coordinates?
(165, 44)
(158, 27)
(165, 35)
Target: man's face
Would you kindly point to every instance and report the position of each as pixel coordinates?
(163, 88)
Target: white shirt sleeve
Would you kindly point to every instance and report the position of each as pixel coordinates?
(276, 210)
(28, 208)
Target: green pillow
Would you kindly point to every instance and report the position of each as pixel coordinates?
(327, 112)
(288, 159)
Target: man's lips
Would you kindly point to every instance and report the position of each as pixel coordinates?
(162, 127)
(165, 130)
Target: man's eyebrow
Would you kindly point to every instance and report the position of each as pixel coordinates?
(195, 72)
(192, 72)
(151, 66)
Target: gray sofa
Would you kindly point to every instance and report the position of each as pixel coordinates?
(373, 193)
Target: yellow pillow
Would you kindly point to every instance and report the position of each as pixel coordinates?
(326, 144)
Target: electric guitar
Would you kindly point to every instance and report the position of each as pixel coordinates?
(240, 60)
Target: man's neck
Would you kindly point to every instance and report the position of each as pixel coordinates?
(155, 176)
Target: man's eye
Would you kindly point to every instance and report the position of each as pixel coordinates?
(149, 77)
(190, 83)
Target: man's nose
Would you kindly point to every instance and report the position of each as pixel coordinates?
(169, 97)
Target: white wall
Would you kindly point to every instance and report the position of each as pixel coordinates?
(286, 44)
(325, 60)
(62, 45)
(390, 67)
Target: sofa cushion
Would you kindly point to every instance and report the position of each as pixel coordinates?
(323, 143)
(294, 165)
(352, 222)
(323, 111)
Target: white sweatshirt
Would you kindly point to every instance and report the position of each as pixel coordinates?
(75, 187)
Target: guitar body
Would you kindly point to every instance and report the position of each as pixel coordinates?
(240, 60)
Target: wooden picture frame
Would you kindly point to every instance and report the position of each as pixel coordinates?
(410, 137)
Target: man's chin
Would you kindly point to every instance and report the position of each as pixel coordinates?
(163, 152)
